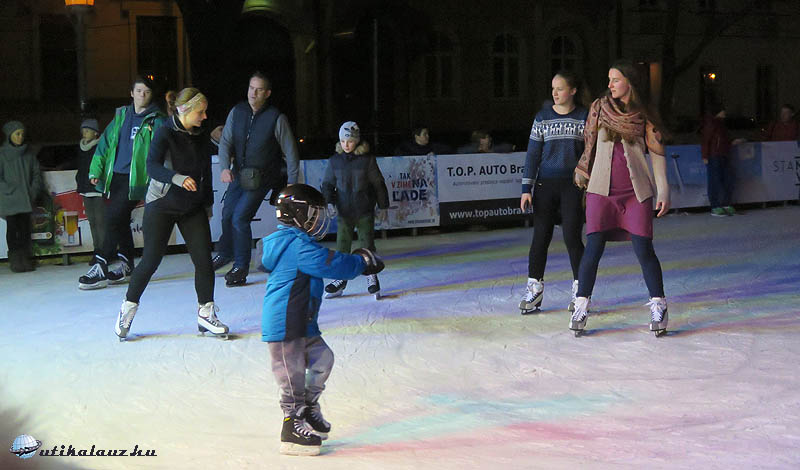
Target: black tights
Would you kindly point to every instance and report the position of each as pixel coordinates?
(551, 198)
(642, 246)
(157, 228)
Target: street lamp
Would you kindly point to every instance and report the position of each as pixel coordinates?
(79, 9)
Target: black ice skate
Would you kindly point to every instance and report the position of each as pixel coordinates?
(207, 321)
(533, 297)
(124, 319)
(577, 322)
(659, 317)
(236, 277)
(374, 286)
(95, 278)
(296, 439)
(312, 415)
(335, 288)
(122, 272)
(219, 261)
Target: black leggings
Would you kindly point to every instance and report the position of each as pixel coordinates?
(157, 227)
(551, 197)
(118, 220)
(642, 246)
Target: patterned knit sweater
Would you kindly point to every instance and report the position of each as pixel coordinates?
(555, 145)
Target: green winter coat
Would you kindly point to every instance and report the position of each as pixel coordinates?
(102, 166)
(20, 179)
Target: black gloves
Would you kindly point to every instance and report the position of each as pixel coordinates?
(374, 263)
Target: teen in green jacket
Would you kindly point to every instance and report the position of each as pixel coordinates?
(118, 170)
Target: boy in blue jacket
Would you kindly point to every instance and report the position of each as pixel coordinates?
(301, 361)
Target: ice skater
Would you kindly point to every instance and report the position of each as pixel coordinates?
(620, 188)
(301, 361)
(352, 185)
(554, 147)
(180, 192)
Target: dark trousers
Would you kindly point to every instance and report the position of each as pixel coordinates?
(642, 246)
(157, 228)
(552, 197)
(720, 181)
(118, 220)
(344, 232)
(239, 208)
(95, 209)
(18, 233)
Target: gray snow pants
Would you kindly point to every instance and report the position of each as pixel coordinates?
(301, 367)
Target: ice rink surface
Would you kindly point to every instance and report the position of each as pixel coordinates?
(444, 372)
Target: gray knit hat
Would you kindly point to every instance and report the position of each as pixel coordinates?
(349, 130)
(12, 126)
(90, 124)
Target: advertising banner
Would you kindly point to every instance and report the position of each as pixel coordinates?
(479, 188)
(412, 185)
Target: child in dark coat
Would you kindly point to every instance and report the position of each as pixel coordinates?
(20, 184)
(352, 185)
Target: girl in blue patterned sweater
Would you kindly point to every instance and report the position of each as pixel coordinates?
(555, 145)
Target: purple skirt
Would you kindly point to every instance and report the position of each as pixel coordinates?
(619, 214)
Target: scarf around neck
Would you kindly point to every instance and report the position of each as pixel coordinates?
(629, 125)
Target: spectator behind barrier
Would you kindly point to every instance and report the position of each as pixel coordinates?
(420, 144)
(481, 142)
(785, 128)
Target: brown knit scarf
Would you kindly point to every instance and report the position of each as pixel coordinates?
(628, 125)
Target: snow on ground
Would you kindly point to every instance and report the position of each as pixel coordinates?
(444, 372)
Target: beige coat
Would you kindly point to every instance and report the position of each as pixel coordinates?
(645, 183)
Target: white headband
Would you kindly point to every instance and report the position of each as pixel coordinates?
(187, 106)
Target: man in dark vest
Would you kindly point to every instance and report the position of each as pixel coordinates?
(255, 142)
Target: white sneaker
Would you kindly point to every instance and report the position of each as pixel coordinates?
(577, 321)
(571, 306)
(659, 316)
(532, 299)
(207, 320)
(125, 318)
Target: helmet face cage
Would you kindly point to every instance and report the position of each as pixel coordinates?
(311, 218)
(317, 222)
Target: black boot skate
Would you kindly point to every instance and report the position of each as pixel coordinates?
(335, 288)
(296, 439)
(312, 415)
(236, 277)
(96, 277)
(122, 272)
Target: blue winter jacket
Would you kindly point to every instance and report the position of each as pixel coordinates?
(297, 264)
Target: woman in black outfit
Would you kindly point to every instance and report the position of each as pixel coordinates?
(179, 165)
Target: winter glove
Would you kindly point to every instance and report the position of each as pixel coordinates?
(332, 211)
(374, 263)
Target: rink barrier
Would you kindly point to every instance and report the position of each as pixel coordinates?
(437, 190)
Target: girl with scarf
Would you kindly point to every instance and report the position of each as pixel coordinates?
(620, 188)
(20, 184)
(179, 193)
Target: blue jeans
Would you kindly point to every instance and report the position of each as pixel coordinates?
(720, 181)
(239, 208)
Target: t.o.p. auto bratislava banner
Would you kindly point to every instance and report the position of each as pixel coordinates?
(479, 188)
